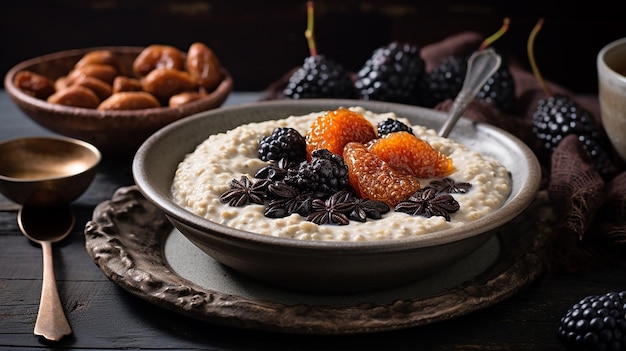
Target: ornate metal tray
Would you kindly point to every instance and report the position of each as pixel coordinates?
(136, 247)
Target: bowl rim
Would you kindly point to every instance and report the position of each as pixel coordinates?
(516, 203)
(225, 86)
(84, 144)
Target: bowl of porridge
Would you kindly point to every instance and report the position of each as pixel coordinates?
(341, 218)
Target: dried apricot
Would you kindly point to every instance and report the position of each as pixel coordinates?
(34, 84)
(405, 151)
(375, 179)
(335, 129)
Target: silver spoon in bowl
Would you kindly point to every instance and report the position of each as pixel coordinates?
(47, 225)
(481, 65)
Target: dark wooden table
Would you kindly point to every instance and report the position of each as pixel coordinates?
(103, 316)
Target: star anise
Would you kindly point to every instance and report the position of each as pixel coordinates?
(287, 200)
(334, 210)
(366, 208)
(449, 186)
(245, 191)
(274, 170)
(427, 202)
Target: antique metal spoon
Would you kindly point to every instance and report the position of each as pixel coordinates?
(480, 66)
(47, 225)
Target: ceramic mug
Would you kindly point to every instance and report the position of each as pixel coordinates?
(611, 62)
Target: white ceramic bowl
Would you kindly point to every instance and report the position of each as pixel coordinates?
(330, 266)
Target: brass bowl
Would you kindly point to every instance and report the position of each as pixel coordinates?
(112, 132)
(46, 171)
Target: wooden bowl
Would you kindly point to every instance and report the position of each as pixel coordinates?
(114, 132)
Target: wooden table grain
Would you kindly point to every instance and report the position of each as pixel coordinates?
(105, 317)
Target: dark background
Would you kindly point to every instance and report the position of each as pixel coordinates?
(259, 41)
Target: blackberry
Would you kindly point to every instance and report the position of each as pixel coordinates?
(275, 170)
(446, 81)
(326, 173)
(283, 143)
(392, 73)
(499, 90)
(557, 116)
(391, 125)
(596, 322)
(320, 77)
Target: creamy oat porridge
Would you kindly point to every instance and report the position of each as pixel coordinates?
(206, 173)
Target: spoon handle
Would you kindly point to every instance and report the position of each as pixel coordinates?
(51, 321)
(480, 66)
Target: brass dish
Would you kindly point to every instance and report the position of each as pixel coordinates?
(46, 171)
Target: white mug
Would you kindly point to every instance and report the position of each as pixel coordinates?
(611, 62)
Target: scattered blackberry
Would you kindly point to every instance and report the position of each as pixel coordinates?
(283, 143)
(392, 73)
(319, 77)
(596, 322)
(326, 173)
(446, 80)
(391, 125)
(557, 116)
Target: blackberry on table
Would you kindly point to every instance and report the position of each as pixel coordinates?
(499, 90)
(320, 77)
(325, 173)
(392, 73)
(446, 81)
(596, 322)
(391, 125)
(557, 116)
(599, 155)
(285, 143)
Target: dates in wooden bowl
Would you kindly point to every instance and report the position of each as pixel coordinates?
(115, 97)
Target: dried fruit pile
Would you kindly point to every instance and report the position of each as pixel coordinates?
(346, 169)
(160, 76)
